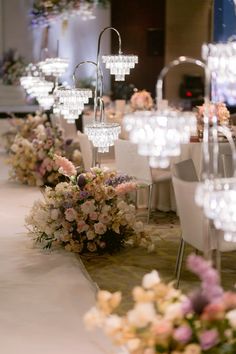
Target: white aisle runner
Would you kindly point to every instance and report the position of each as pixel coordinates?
(43, 296)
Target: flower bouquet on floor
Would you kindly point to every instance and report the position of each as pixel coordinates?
(23, 127)
(31, 159)
(165, 321)
(218, 110)
(12, 66)
(90, 212)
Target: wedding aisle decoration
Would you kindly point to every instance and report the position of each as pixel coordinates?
(90, 212)
(12, 66)
(165, 320)
(46, 11)
(31, 159)
(32, 147)
(24, 127)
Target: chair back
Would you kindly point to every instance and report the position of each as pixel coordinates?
(227, 165)
(130, 162)
(86, 150)
(186, 171)
(192, 220)
(195, 227)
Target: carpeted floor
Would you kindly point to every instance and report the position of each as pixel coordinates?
(124, 270)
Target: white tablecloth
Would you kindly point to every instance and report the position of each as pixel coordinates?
(43, 295)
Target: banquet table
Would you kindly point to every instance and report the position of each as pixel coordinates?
(43, 295)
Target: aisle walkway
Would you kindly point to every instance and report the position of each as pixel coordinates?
(43, 296)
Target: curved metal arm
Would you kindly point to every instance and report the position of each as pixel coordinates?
(100, 37)
(101, 109)
(159, 98)
(100, 77)
(178, 61)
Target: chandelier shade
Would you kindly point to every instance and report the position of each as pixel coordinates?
(159, 134)
(120, 65)
(54, 66)
(103, 134)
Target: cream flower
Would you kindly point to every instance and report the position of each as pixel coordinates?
(231, 316)
(100, 228)
(151, 279)
(142, 314)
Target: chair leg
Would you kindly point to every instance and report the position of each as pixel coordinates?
(218, 256)
(179, 262)
(149, 203)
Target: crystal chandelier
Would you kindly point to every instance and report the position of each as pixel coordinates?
(101, 133)
(221, 61)
(54, 66)
(159, 134)
(217, 196)
(70, 102)
(120, 64)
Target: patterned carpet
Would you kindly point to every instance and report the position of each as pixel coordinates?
(124, 270)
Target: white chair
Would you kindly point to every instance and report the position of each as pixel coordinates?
(186, 171)
(227, 165)
(196, 229)
(128, 161)
(86, 148)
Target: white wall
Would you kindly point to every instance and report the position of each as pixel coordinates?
(78, 40)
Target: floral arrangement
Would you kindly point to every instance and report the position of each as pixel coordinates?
(214, 109)
(164, 320)
(31, 158)
(141, 100)
(24, 127)
(44, 11)
(12, 66)
(88, 213)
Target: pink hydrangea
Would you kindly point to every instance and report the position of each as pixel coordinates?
(65, 166)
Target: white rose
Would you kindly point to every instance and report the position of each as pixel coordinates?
(151, 279)
(90, 235)
(70, 214)
(142, 314)
(112, 324)
(54, 214)
(231, 316)
(100, 228)
(88, 207)
(93, 318)
(174, 312)
(138, 226)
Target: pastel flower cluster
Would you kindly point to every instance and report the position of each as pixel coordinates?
(86, 214)
(164, 320)
(23, 127)
(44, 11)
(12, 66)
(141, 101)
(31, 158)
(219, 110)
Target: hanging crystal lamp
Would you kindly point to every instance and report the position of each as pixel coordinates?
(70, 102)
(221, 60)
(54, 66)
(119, 64)
(159, 134)
(101, 133)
